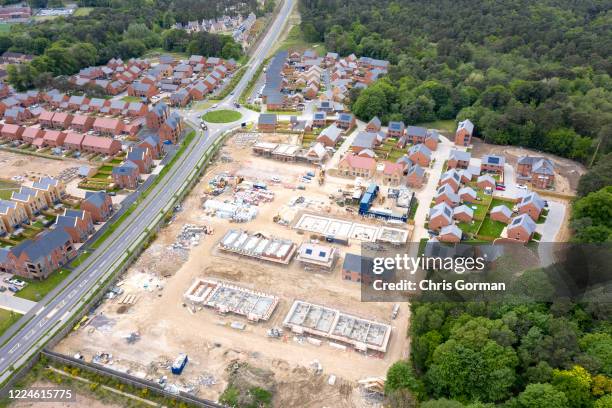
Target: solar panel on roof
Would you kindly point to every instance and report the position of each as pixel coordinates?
(494, 160)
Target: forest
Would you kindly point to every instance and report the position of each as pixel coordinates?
(526, 72)
(117, 28)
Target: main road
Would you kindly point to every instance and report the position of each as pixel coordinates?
(46, 318)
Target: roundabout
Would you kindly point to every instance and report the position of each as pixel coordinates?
(222, 116)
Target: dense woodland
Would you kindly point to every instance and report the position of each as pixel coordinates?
(526, 72)
(116, 28)
(529, 73)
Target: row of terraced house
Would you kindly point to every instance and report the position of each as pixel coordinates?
(38, 257)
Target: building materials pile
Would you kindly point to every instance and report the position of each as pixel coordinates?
(190, 236)
(230, 211)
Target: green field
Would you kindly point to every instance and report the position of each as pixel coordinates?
(222, 116)
(7, 319)
(295, 42)
(83, 11)
(447, 126)
(36, 290)
(5, 28)
(128, 98)
(7, 188)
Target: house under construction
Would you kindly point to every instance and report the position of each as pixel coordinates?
(258, 246)
(226, 298)
(320, 321)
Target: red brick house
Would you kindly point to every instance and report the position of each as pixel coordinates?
(531, 204)
(37, 258)
(142, 90)
(126, 175)
(82, 123)
(45, 119)
(77, 223)
(330, 136)
(61, 120)
(464, 133)
(521, 228)
(103, 145)
(30, 133)
(108, 126)
(141, 156)
(154, 145)
(415, 176)
(440, 215)
(485, 181)
(539, 171)
(463, 213)
(451, 234)
(501, 213)
(54, 138)
(157, 115)
(12, 132)
(98, 204)
(373, 125)
(420, 154)
(171, 129)
(491, 163)
(458, 159)
(73, 141)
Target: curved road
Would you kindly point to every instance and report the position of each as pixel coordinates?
(58, 306)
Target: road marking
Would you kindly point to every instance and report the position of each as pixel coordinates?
(15, 347)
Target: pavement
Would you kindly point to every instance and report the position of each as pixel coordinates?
(23, 340)
(15, 304)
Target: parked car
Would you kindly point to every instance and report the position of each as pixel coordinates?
(500, 188)
(521, 187)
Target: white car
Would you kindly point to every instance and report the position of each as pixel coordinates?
(215, 106)
(521, 186)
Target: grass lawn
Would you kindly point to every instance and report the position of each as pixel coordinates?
(497, 202)
(128, 98)
(469, 227)
(7, 319)
(156, 52)
(442, 125)
(491, 228)
(5, 28)
(83, 11)
(222, 116)
(7, 188)
(36, 290)
(295, 42)
(106, 168)
(480, 211)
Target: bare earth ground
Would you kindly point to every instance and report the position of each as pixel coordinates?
(162, 275)
(568, 172)
(82, 400)
(13, 164)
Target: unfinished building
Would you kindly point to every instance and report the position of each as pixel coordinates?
(320, 321)
(226, 298)
(317, 256)
(258, 246)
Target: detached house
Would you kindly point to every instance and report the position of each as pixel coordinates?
(492, 164)
(319, 119)
(447, 195)
(171, 129)
(521, 228)
(267, 122)
(356, 166)
(330, 136)
(464, 133)
(531, 204)
(415, 176)
(395, 129)
(141, 156)
(540, 171)
(468, 195)
(485, 181)
(458, 159)
(452, 178)
(157, 115)
(126, 175)
(98, 204)
(345, 121)
(440, 215)
(420, 154)
(392, 173)
(154, 145)
(364, 140)
(373, 125)
(451, 234)
(463, 213)
(501, 213)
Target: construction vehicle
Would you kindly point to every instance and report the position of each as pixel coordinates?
(179, 364)
(322, 177)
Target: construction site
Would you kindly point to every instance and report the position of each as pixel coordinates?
(249, 297)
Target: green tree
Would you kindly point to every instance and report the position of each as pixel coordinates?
(401, 376)
(542, 395)
(575, 384)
